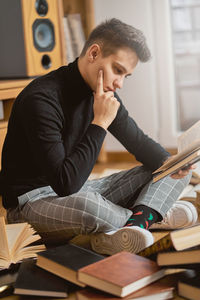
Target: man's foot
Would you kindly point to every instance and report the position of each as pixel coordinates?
(181, 214)
(132, 239)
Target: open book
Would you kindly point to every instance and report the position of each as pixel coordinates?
(14, 241)
(188, 153)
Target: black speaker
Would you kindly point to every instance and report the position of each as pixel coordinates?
(30, 37)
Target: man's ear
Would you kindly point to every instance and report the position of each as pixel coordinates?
(93, 52)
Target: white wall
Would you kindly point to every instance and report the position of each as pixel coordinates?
(139, 93)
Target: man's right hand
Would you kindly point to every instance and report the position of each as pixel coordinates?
(105, 105)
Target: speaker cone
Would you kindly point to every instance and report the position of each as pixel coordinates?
(43, 35)
(41, 7)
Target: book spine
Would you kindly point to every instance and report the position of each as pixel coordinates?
(161, 245)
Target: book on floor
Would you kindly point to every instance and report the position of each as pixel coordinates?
(180, 239)
(32, 280)
(65, 260)
(121, 274)
(15, 243)
(154, 291)
(8, 276)
(189, 258)
(189, 286)
(188, 153)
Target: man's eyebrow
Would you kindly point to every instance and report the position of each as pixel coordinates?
(122, 67)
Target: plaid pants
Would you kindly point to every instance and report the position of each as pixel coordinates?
(101, 205)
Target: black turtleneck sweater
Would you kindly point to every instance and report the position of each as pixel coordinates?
(51, 141)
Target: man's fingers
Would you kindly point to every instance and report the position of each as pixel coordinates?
(99, 89)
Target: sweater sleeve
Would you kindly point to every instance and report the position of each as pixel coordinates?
(66, 171)
(146, 150)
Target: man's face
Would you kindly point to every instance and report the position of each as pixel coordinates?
(116, 67)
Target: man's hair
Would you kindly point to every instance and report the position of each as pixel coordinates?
(113, 34)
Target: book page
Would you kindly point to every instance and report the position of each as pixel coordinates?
(4, 248)
(190, 139)
(188, 142)
(14, 232)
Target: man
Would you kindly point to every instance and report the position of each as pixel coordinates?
(55, 132)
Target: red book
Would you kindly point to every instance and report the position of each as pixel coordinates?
(121, 274)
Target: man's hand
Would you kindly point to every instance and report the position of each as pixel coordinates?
(182, 172)
(105, 105)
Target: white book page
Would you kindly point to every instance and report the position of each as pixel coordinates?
(4, 248)
(190, 139)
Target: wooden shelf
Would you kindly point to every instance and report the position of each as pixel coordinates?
(3, 124)
(9, 89)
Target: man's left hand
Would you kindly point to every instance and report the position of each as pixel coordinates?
(183, 172)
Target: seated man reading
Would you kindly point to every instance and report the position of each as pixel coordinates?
(56, 130)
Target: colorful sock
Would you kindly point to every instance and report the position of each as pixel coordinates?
(143, 216)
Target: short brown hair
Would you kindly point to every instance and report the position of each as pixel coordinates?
(114, 34)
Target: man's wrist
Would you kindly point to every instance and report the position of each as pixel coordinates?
(101, 124)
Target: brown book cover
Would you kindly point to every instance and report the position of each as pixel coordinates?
(189, 286)
(121, 274)
(153, 291)
(180, 239)
(65, 260)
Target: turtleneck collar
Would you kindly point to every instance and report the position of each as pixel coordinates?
(77, 84)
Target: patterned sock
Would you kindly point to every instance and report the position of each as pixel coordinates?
(143, 216)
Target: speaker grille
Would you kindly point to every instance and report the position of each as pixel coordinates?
(43, 35)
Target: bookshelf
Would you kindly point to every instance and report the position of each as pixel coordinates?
(9, 89)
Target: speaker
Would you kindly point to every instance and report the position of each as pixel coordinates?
(30, 37)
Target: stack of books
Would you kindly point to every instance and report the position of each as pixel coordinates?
(57, 271)
(180, 250)
(94, 276)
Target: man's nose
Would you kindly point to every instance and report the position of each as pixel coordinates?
(118, 83)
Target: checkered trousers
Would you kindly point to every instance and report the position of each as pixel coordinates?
(100, 205)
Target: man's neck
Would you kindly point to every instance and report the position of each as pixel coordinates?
(82, 67)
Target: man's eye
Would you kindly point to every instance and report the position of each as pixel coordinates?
(118, 71)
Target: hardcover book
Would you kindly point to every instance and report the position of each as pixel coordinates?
(188, 153)
(121, 274)
(189, 258)
(154, 291)
(189, 287)
(66, 260)
(15, 243)
(32, 280)
(181, 239)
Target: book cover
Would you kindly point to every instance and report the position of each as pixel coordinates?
(189, 286)
(9, 276)
(121, 274)
(180, 239)
(70, 56)
(156, 290)
(183, 163)
(66, 260)
(77, 33)
(15, 243)
(32, 280)
(188, 153)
